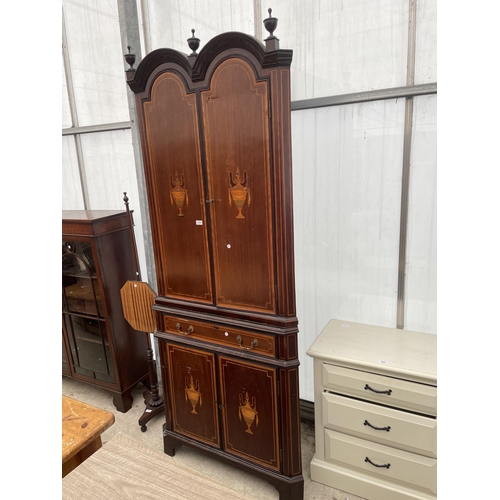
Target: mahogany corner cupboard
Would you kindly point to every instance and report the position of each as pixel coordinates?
(99, 347)
(215, 135)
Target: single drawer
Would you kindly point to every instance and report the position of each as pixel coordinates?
(389, 391)
(223, 335)
(395, 428)
(398, 467)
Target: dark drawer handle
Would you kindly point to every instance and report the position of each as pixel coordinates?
(368, 388)
(253, 344)
(189, 330)
(385, 466)
(388, 428)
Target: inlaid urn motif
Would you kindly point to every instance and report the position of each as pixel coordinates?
(178, 193)
(193, 394)
(239, 192)
(249, 412)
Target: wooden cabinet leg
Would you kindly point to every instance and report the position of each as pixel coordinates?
(169, 443)
(292, 489)
(123, 401)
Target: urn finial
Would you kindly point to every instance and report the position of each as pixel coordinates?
(270, 24)
(193, 43)
(130, 58)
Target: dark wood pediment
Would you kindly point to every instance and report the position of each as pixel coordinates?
(217, 49)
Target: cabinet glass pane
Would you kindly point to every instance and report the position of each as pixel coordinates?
(81, 261)
(91, 355)
(80, 288)
(81, 296)
(65, 367)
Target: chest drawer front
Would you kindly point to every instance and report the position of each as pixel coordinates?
(228, 336)
(399, 467)
(399, 429)
(381, 389)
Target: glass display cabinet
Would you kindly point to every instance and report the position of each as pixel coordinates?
(99, 346)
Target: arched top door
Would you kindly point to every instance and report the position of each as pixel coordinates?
(236, 129)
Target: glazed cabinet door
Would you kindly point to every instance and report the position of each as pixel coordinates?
(193, 394)
(236, 129)
(176, 194)
(85, 332)
(250, 411)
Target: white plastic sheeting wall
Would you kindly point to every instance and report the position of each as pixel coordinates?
(97, 72)
(426, 42)
(347, 160)
(171, 21)
(347, 196)
(421, 251)
(93, 34)
(72, 196)
(343, 46)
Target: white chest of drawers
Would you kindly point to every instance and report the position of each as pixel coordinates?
(375, 405)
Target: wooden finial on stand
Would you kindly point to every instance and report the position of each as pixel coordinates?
(132, 237)
(137, 301)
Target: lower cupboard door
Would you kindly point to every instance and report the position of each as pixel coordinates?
(249, 412)
(191, 375)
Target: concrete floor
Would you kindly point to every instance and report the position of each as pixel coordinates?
(232, 477)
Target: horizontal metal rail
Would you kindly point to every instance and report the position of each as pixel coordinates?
(369, 95)
(318, 102)
(105, 127)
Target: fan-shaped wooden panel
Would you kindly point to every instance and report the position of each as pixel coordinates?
(137, 300)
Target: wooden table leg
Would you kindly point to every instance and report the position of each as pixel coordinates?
(82, 455)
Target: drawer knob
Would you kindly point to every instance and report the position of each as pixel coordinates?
(368, 388)
(253, 344)
(388, 428)
(385, 466)
(189, 330)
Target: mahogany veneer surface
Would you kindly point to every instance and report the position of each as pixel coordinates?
(216, 143)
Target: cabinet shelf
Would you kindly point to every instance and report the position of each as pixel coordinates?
(91, 340)
(83, 315)
(79, 274)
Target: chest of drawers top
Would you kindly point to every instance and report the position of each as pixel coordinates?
(387, 351)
